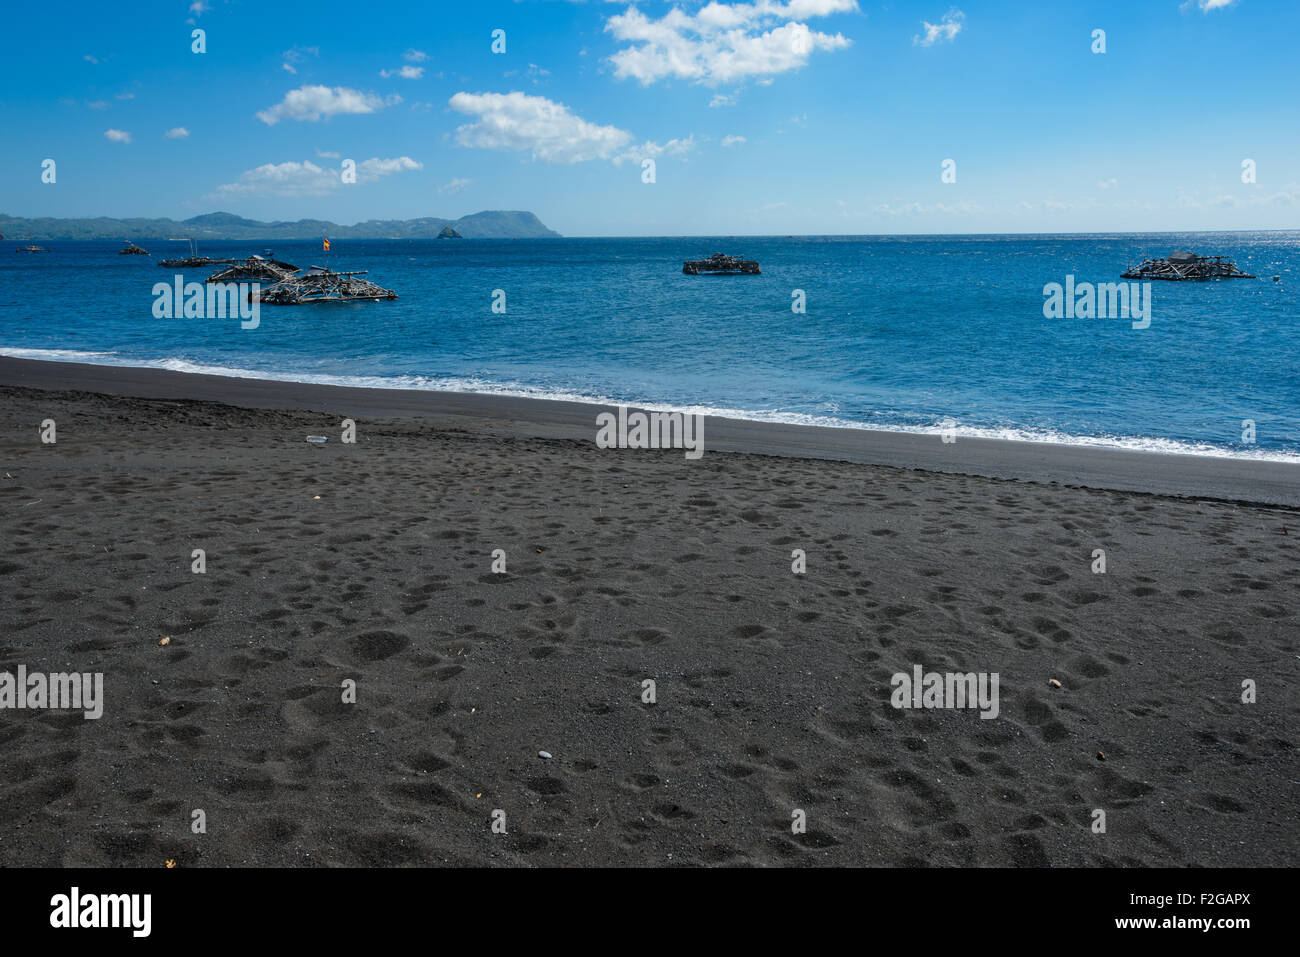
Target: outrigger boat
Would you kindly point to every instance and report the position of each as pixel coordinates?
(721, 265)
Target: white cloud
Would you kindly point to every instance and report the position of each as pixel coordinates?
(97, 104)
(650, 150)
(118, 136)
(1207, 5)
(327, 154)
(415, 56)
(455, 186)
(310, 103)
(199, 7)
(308, 179)
(945, 31)
(368, 171)
(124, 96)
(534, 124)
(722, 42)
(732, 140)
(723, 99)
(549, 131)
(177, 133)
(407, 72)
(1108, 183)
(90, 59)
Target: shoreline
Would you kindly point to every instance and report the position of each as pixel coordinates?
(1258, 482)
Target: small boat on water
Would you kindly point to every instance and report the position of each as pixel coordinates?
(1184, 265)
(131, 249)
(193, 260)
(721, 265)
(31, 248)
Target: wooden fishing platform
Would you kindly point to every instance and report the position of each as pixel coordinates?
(322, 285)
(253, 269)
(1185, 265)
(721, 265)
(193, 262)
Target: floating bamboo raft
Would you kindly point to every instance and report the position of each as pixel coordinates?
(1184, 265)
(131, 249)
(321, 285)
(193, 262)
(719, 264)
(254, 269)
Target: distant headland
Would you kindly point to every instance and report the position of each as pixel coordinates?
(488, 224)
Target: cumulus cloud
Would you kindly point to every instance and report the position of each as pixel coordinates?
(722, 42)
(945, 31)
(118, 136)
(308, 179)
(177, 133)
(455, 186)
(534, 124)
(549, 131)
(1207, 5)
(732, 140)
(311, 103)
(415, 56)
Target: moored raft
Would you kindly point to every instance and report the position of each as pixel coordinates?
(1184, 265)
(254, 269)
(721, 265)
(322, 285)
(193, 262)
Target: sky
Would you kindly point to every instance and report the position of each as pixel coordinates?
(759, 118)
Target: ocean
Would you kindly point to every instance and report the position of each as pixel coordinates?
(898, 333)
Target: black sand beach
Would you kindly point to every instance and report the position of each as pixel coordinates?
(373, 562)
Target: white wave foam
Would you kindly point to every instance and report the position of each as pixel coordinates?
(476, 385)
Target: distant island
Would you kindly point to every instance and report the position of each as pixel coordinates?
(449, 233)
(489, 224)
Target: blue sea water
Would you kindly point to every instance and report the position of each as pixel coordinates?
(900, 333)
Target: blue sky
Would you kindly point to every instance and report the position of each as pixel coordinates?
(768, 117)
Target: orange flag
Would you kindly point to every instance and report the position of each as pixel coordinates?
(327, 245)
